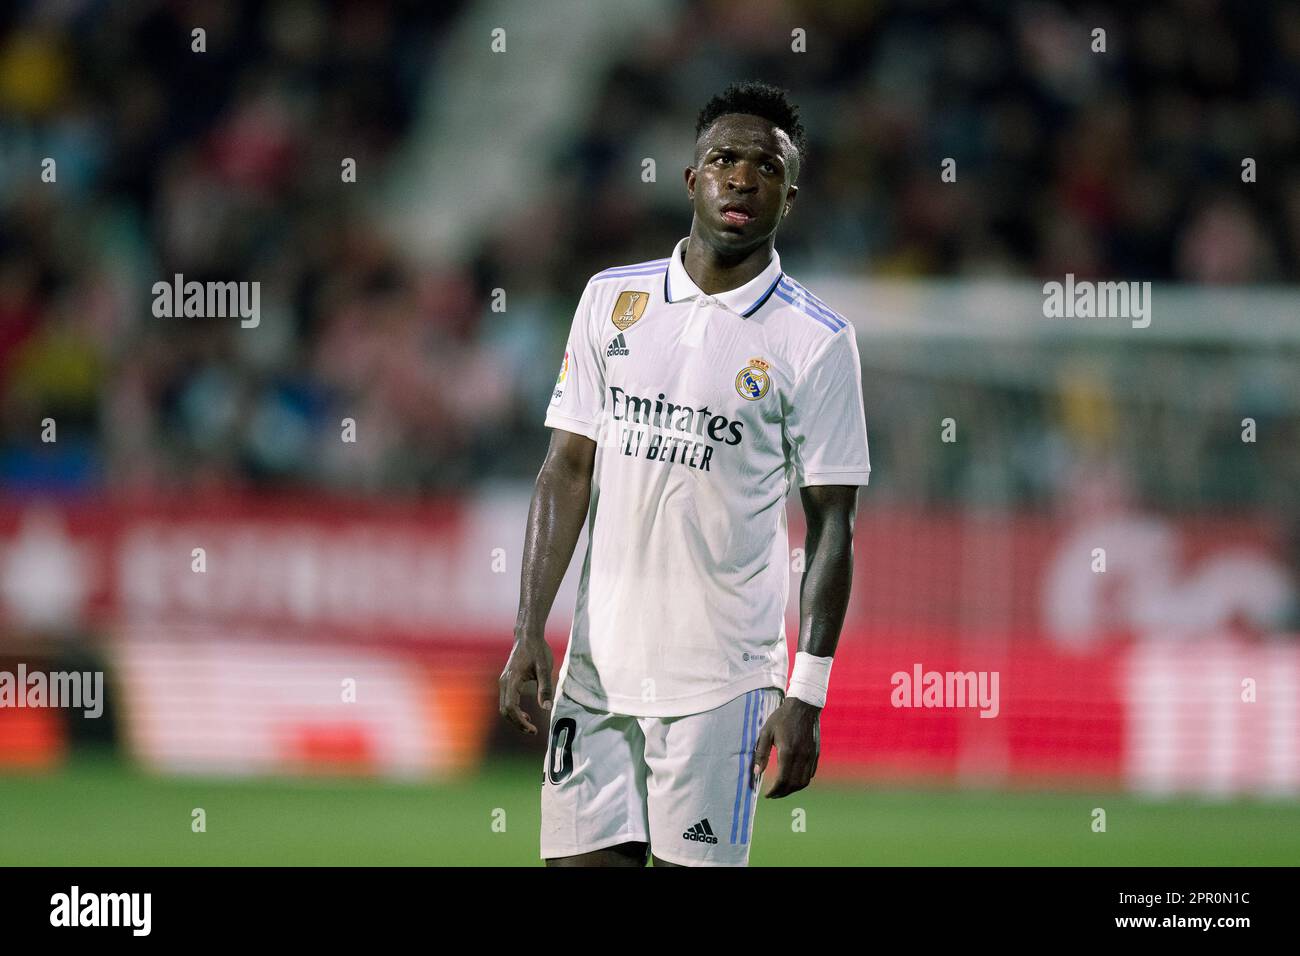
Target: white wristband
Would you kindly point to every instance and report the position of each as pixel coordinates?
(811, 677)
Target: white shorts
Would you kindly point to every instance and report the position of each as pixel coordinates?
(680, 784)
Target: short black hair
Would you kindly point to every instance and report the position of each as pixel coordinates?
(758, 99)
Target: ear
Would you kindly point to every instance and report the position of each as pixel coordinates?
(690, 183)
(791, 192)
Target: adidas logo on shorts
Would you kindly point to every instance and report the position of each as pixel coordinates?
(700, 833)
(617, 346)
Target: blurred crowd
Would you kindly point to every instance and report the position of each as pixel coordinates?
(226, 165)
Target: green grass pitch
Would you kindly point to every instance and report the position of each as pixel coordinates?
(98, 811)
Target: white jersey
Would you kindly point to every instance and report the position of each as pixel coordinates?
(705, 410)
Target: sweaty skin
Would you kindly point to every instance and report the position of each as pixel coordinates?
(555, 517)
(794, 727)
(740, 160)
(745, 164)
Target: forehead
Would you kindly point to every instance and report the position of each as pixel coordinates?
(744, 130)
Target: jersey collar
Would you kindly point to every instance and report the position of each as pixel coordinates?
(744, 300)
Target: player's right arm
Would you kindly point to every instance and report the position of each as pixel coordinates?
(561, 498)
(555, 517)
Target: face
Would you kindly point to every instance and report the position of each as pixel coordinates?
(742, 183)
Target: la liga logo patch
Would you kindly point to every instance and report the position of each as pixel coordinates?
(560, 380)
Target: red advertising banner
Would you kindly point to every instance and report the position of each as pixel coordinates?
(428, 571)
(979, 648)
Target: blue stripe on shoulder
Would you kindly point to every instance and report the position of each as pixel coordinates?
(812, 303)
(809, 293)
(640, 268)
(808, 309)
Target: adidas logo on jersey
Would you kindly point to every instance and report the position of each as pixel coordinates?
(700, 833)
(617, 346)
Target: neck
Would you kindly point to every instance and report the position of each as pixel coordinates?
(715, 272)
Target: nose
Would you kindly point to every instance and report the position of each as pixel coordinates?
(742, 178)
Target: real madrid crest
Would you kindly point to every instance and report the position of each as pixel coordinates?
(629, 307)
(753, 381)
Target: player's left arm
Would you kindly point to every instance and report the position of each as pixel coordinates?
(823, 599)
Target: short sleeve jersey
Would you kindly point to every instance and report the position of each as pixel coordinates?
(705, 410)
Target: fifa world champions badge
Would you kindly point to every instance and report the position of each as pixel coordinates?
(753, 381)
(629, 308)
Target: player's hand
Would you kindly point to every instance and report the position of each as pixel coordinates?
(530, 660)
(795, 729)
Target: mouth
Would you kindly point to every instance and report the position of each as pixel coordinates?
(737, 213)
